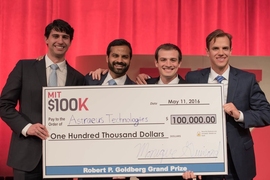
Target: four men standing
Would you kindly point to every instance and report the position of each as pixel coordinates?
(246, 104)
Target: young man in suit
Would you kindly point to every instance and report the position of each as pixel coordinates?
(24, 84)
(246, 105)
(168, 59)
(119, 54)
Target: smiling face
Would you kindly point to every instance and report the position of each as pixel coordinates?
(219, 52)
(118, 60)
(58, 44)
(168, 63)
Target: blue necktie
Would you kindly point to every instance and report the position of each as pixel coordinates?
(53, 75)
(112, 82)
(219, 78)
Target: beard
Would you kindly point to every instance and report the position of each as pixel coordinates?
(118, 71)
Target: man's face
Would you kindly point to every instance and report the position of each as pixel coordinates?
(219, 53)
(168, 64)
(58, 44)
(118, 60)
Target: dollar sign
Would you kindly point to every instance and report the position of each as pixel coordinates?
(51, 104)
(167, 119)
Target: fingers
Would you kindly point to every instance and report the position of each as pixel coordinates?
(104, 71)
(97, 73)
(38, 130)
(39, 58)
(230, 109)
(188, 175)
(141, 78)
(119, 177)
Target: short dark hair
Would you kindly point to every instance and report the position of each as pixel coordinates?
(119, 42)
(215, 34)
(60, 26)
(169, 46)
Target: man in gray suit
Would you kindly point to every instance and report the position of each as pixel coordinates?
(24, 85)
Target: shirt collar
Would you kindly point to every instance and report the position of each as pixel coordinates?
(174, 81)
(213, 75)
(62, 65)
(119, 81)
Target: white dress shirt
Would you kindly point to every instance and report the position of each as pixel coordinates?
(225, 82)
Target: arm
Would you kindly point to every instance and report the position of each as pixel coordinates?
(8, 101)
(11, 94)
(251, 101)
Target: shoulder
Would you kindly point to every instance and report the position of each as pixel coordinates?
(197, 73)
(28, 61)
(241, 73)
(90, 81)
(25, 64)
(88, 77)
(74, 71)
(200, 71)
(152, 80)
(129, 81)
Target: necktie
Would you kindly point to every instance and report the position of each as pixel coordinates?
(112, 82)
(219, 78)
(53, 75)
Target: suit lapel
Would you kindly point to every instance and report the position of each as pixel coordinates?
(41, 72)
(70, 75)
(102, 79)
(204, 75)
(233, 81)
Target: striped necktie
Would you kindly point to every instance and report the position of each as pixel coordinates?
(219, 78)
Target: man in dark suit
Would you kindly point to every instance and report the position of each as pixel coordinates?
(24, 84)
(246, 105)
(119, 54)
(168, 59)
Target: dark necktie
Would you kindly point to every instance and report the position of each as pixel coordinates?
(219, 78)
(112, 82)
(53, 75)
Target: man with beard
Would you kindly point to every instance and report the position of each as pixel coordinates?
(119, 54)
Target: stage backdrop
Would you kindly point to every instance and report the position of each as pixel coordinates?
(145, 23)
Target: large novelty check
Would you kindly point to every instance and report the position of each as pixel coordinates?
(134, 130)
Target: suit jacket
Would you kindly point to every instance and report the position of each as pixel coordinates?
(156, 79)
(90, 81)
(245, 93)
(24, 84)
